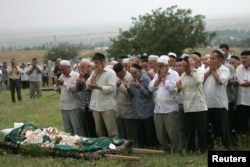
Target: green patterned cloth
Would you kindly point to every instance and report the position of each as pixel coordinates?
(87, 145)
(18, 134)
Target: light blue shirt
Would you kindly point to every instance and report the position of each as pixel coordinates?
(142, 98)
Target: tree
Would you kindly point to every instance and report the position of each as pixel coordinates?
(62, 51)
(162, 31)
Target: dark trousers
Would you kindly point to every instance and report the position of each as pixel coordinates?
(195, 123)
(89, 123)
(146, 132)
(231, 116)
(15, 86)
(45, 80)
(243, 113)
(25, 84)
(218, 127)
(127, 129)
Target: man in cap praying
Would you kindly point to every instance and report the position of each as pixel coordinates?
(69, 102)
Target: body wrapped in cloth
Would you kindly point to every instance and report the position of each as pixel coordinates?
(64, 144)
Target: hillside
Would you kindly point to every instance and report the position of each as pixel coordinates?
(27, 55)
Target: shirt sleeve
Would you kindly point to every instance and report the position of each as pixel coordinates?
(151, 84)
(170, 83)
(111, 84)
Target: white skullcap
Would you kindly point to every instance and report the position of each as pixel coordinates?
(65, 62)
(113, 62)
(172, 54)
(163, 59)
(153, 57)
(184, 55)
(125, 61)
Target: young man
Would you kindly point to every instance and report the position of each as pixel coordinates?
(124, 111)
(14, 73)
(35, 76)
(195, 107)
(243, 98)
(103, 97)
(215, 88)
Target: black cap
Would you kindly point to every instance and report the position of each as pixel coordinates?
(98, 56)
(123, 57)
(137, 66)
(117, 67)
(235, 57)
(245, 53)
(144, 59)
(197, 53)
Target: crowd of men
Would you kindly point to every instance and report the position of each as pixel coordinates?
(15, 77)
(189, 102)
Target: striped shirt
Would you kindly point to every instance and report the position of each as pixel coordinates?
(192, 92)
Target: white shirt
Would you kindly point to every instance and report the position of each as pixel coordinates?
(242, 74)
(166, 97)
(35, 76)
(124, 100)
(216, 95)
(105, 99)
(24, 76)
(68, 98)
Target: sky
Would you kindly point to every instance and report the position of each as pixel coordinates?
(18, 15)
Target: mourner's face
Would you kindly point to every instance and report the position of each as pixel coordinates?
(64, 69)
(152, 64)
(136, 74)
(99, 65)
(245, 61)
(215, 58)
(84, 68)
(234, 62)
(179, 67)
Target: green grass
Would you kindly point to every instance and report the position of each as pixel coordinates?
(45, 112)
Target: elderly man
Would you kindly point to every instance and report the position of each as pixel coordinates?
(34, 72)
(152, 62)
(103, 97)
(124, 106)
(166, 116)
(195, 107)
(143, 106)
(84, 96)
(215, 88)
(69, 103)
(243, 99)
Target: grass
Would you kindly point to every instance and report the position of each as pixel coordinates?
(45, 112)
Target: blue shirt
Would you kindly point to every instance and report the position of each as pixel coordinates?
(142, 98)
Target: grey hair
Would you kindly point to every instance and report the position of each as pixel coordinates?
(85, 60)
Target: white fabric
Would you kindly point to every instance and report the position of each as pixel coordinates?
(35, 76)
(65, 62)
(24, 76)
(106, 99)
(166, 95)
(68, 97)
(216, 95)
(163, 59)
(243, 92)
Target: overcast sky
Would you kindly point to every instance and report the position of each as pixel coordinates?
(42, 14)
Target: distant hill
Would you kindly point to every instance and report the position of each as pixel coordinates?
(238, 23)
(96, 36)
